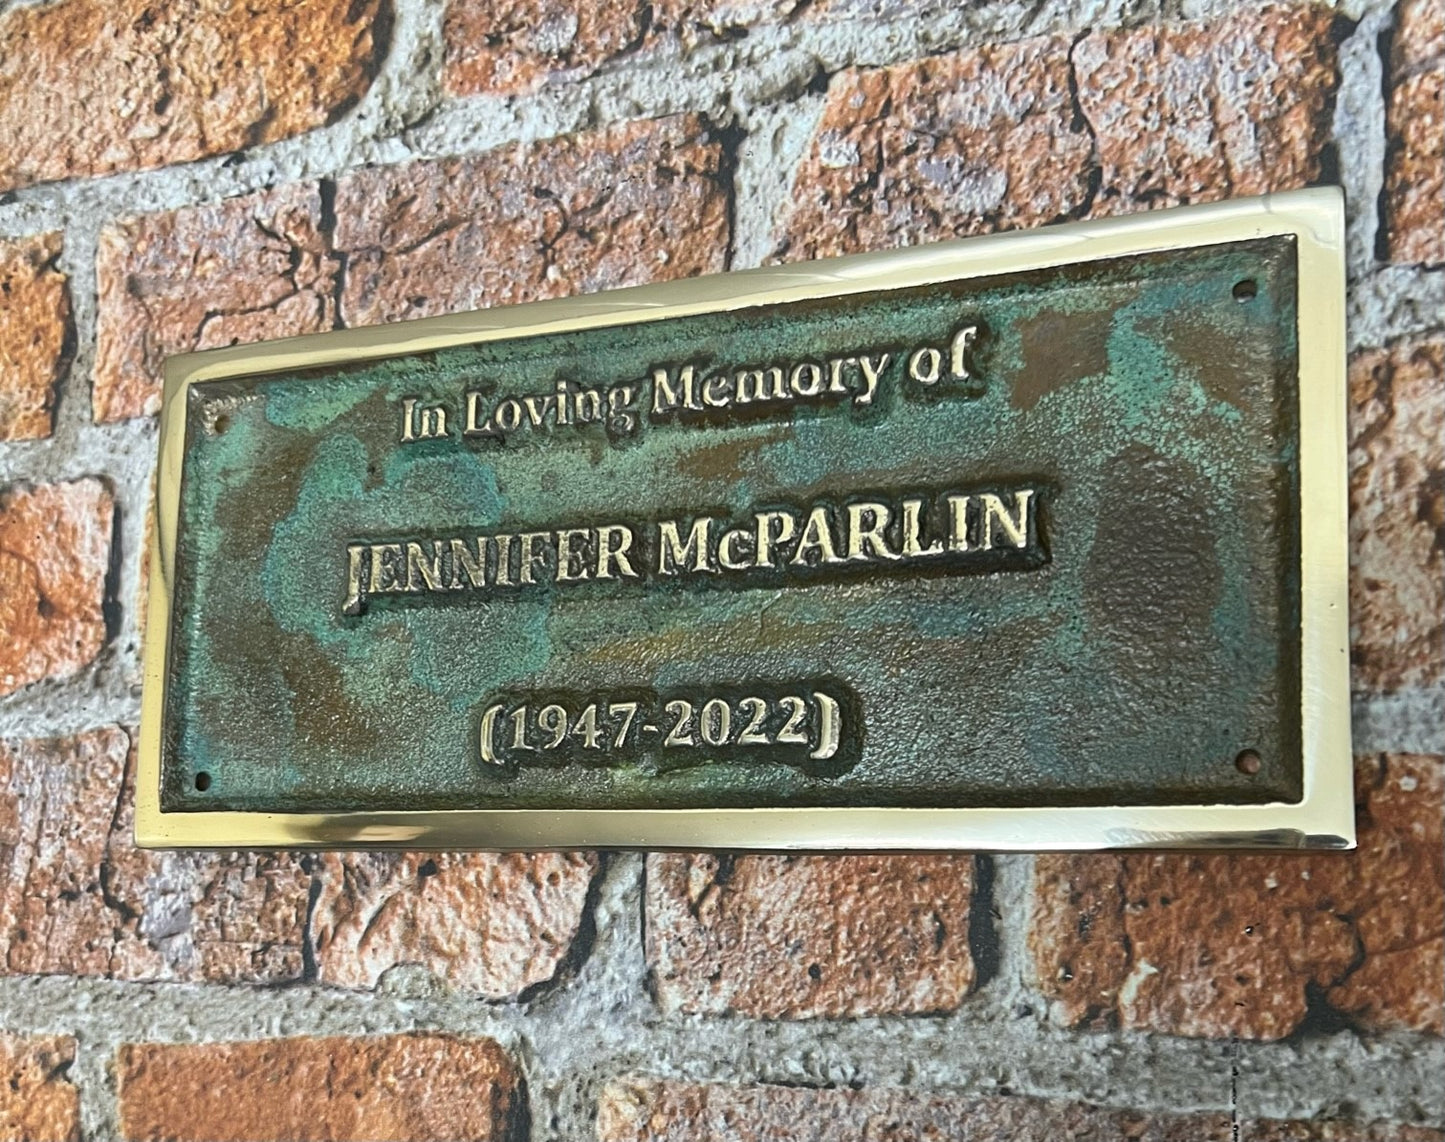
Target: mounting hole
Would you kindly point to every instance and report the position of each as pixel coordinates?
(203, 781)
(1245, 290)
(1248, 762)
(223, 420)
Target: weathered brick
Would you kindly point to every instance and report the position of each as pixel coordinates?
(1335, 1130)
(486, 923)
(54, 554)
(518, 46)
(246, 269)
(1393, 890)
(1023, 134)
(38, 1102)
(1415, 166)
(644, 1110)
(34, 323)
(1397, 515)
(395, 1088)
(1222, 945)
(649, 1111)
(77, 897)
(946, 147)
(801, 937)
(1419, 36)
(638, 202)
(58, 797)
(89, 87)
(1197, 112)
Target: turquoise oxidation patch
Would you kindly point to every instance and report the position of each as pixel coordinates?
(1026, 540)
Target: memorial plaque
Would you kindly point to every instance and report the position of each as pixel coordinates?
(1030, 541)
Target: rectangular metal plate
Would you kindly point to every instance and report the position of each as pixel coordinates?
(1033, 541)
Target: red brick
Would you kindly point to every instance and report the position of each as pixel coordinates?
(946, 147)
(649, 1111)
(246, 269)
(638, 202)
(1419, 38)
(1415, 168)
(34, 323)
(644, 1110)
(54, 553)
(1021, 134)
(1223, 945)
(1274, 1130)
(517, 46)
(89, 87)
(77, 898)
(1214, 110)
(1397, 515)
(395, 1088)
(486, 923)
(38, 1102)
(802, 937)
(1394, 891)
(1419, 33)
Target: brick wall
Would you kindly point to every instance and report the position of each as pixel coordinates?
(177, 174)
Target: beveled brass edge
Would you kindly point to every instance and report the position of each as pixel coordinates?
(1323, 818)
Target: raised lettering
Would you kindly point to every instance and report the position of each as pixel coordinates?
(464, 563)
(766, 536)
(868, 536)
(1016, 529)
(912, 528)
(673, 555)
(566, 572)
(614, 541)
(817, 538)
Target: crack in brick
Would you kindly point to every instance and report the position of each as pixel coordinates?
(808, 937)
(54, 550)
(94, 901)
(257, 267)
(431, 237)
(1258, 946)
(1065, 128)
(495, 925)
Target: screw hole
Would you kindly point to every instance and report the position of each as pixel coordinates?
(203, 781)
(223, 421)
(1245, 290)
(1248, 763)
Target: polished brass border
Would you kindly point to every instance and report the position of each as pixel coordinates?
(1323, 818)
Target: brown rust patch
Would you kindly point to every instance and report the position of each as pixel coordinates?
(324, 711)
(1222, 345)
(1058, 349)
(728, 460)
(1223, 373)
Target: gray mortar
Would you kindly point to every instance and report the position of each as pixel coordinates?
(597, 1022)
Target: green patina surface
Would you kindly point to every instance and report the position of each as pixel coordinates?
(1160, 640)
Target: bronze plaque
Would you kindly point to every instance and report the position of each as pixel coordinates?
(1032, 541)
